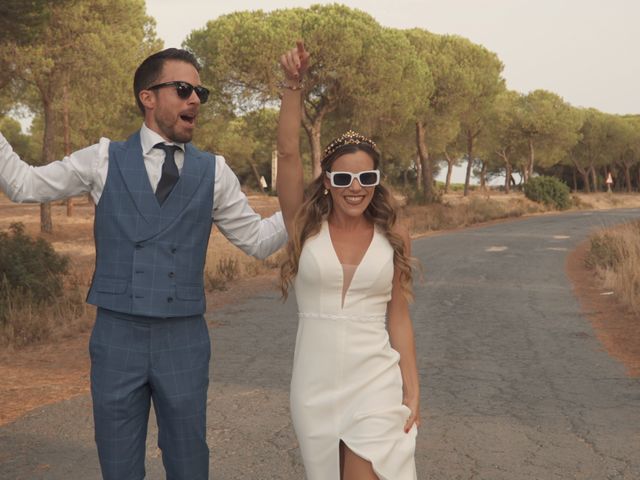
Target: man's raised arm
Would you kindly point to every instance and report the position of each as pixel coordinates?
(74, 175)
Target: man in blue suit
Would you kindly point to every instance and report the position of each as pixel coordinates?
(156, 197)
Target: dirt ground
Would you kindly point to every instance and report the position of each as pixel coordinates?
(42, 374)
(616, 327)
(38, 375)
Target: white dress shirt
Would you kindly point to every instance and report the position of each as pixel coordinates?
(86, 171)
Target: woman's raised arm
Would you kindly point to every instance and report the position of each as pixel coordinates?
(289, 184)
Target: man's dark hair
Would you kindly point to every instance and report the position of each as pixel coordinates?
(151, 68)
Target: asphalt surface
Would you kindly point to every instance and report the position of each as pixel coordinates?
(515, 385)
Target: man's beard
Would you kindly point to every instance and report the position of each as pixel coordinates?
(170, 132)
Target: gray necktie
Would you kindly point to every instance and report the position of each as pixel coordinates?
(170, 173)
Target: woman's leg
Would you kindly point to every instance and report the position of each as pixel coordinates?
(355, 467)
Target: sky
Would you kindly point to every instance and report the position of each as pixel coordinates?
(586, 51)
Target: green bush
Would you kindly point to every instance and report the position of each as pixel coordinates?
(548, 190)
(458, 187)
(29, 267)
(415, 196)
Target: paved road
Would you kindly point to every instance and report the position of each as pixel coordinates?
(515, 384)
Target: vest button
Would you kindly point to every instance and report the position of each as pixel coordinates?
(169, 299)
(174, 250)
(171, 274)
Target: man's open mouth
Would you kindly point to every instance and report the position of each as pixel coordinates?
(189, 118)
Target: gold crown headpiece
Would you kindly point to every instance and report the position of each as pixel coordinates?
(349, 137)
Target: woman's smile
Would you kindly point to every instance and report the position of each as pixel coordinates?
(354, 199)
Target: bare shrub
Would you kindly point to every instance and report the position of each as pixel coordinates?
(227, 270)
(614, 254)
(254, 267)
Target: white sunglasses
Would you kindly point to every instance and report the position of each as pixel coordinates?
(367, 178)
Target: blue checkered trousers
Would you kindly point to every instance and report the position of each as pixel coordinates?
(150, 341)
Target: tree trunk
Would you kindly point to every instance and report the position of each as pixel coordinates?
(531, 160)
(507, 179)
(621, 186)
(594, 178)
(313, 134)
(257, 175)
(67, 138)
(418, 165)
(575, 180)
(584, 173)
(449, 171)
(604, 175)
(508, 170)
(483, 175)
(46, 224)
(467, 178)
(425, 163)
(627, 176)
(515, 169)
(587, 181)
(312, 124)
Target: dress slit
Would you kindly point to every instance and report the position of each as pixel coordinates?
(364, 457)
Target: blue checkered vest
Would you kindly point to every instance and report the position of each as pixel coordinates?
(150, 258)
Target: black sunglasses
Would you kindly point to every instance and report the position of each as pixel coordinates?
(185, 89)
(367, 178)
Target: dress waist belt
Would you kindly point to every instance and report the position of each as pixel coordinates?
(376, 317)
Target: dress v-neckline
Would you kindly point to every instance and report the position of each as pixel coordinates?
(345, 290)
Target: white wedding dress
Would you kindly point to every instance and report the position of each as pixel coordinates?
(346, 382)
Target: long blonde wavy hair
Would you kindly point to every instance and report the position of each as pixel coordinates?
(317, 206)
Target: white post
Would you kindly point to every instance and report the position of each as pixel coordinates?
(274, 169)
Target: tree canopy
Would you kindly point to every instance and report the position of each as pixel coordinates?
(426, 99)
(83, 56)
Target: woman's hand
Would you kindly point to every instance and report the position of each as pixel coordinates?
(413, 403)
(295, 63)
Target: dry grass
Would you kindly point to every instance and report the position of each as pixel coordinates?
(614, 254)
(73, 236)
(604, 201)
(230, 264)
(28, 322)
(458, 211)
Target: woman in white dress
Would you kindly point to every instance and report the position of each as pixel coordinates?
(354, 387)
